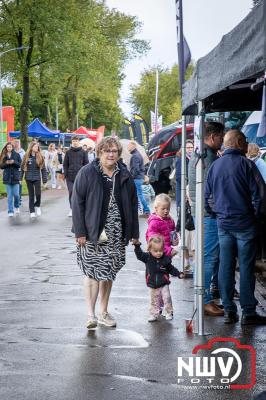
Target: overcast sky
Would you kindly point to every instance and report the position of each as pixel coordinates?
(205, 22)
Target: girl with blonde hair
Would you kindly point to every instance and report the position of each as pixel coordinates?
(50, 163)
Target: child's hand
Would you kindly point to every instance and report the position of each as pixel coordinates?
(173, 252)
(182, 275)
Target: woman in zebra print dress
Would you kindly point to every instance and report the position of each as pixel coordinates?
(105, 218)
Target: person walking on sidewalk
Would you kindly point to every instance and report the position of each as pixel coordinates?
(233, 195)
(59, 160)
(50, 163)
(21, 152)
(213, 139)
(33, 167)
(10, 162)
(75, 159)
(158, 268)
(137, 171)
(105, 218)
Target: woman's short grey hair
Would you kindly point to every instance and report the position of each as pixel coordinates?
(108, 142)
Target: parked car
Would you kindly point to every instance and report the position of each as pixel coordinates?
(162, 150)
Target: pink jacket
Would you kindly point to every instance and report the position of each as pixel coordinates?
(163, 227)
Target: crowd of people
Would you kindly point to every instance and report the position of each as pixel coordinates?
(234, 219)
(36, 166)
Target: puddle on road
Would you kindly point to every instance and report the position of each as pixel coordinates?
(132, 339)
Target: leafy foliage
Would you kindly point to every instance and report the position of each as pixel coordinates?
(169, 97)
(76, 50)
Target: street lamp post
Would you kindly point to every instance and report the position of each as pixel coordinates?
(1, 97)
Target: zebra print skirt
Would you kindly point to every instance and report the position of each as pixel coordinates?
(103, 261)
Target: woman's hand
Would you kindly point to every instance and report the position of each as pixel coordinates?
(135, 241)
(81, 240)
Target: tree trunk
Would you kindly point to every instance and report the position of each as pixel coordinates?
(74, 111)
(24, 109)
(68, 111)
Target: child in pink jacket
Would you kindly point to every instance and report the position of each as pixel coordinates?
(161, 223)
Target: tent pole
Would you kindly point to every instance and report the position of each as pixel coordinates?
(183, 192)
(199, 280)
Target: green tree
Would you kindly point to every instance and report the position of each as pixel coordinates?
(169, 96)
(76, 49)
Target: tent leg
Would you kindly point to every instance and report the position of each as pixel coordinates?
(183, 192)
(199, 281)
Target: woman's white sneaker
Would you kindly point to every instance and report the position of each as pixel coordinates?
(106, 319)
(38, 211)
(10, 214)
(33, 215)
(92, 322)
(17, 210)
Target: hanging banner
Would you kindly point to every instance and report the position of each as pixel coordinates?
(141, 128)
(156, 125)
(128, 130)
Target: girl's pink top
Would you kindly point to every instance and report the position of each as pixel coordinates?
(161, 226)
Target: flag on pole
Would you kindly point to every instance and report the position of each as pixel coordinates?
(262, 126)
(184, 54)
(156, 123)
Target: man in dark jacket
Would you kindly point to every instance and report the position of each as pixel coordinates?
(75, 159)
(137, 171)
(232, 194)
(213, 139)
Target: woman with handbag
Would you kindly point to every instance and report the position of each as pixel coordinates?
(105, 218)
(33, 167)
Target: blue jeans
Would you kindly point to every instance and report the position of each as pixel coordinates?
(138, 183)
(12, 197)
(211, 254)
(243, 245)
(52, 171)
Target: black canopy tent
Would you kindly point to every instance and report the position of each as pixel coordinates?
(222, 82)
(223, 78)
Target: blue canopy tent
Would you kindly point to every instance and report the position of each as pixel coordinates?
(39, 130)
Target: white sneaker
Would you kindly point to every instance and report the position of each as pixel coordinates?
(59, 187)
(106, 319)
(17, 210)
(10, 214)
(38, 211)
(53, 186)
(153, 318)
(70, 213)
(92, 322)
(166, 315)
(33, 215)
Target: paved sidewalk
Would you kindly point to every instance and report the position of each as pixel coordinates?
(46, 351)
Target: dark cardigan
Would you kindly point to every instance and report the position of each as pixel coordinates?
(90, 199)
(11, 175)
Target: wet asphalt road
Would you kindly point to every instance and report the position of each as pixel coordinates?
(47, 353)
